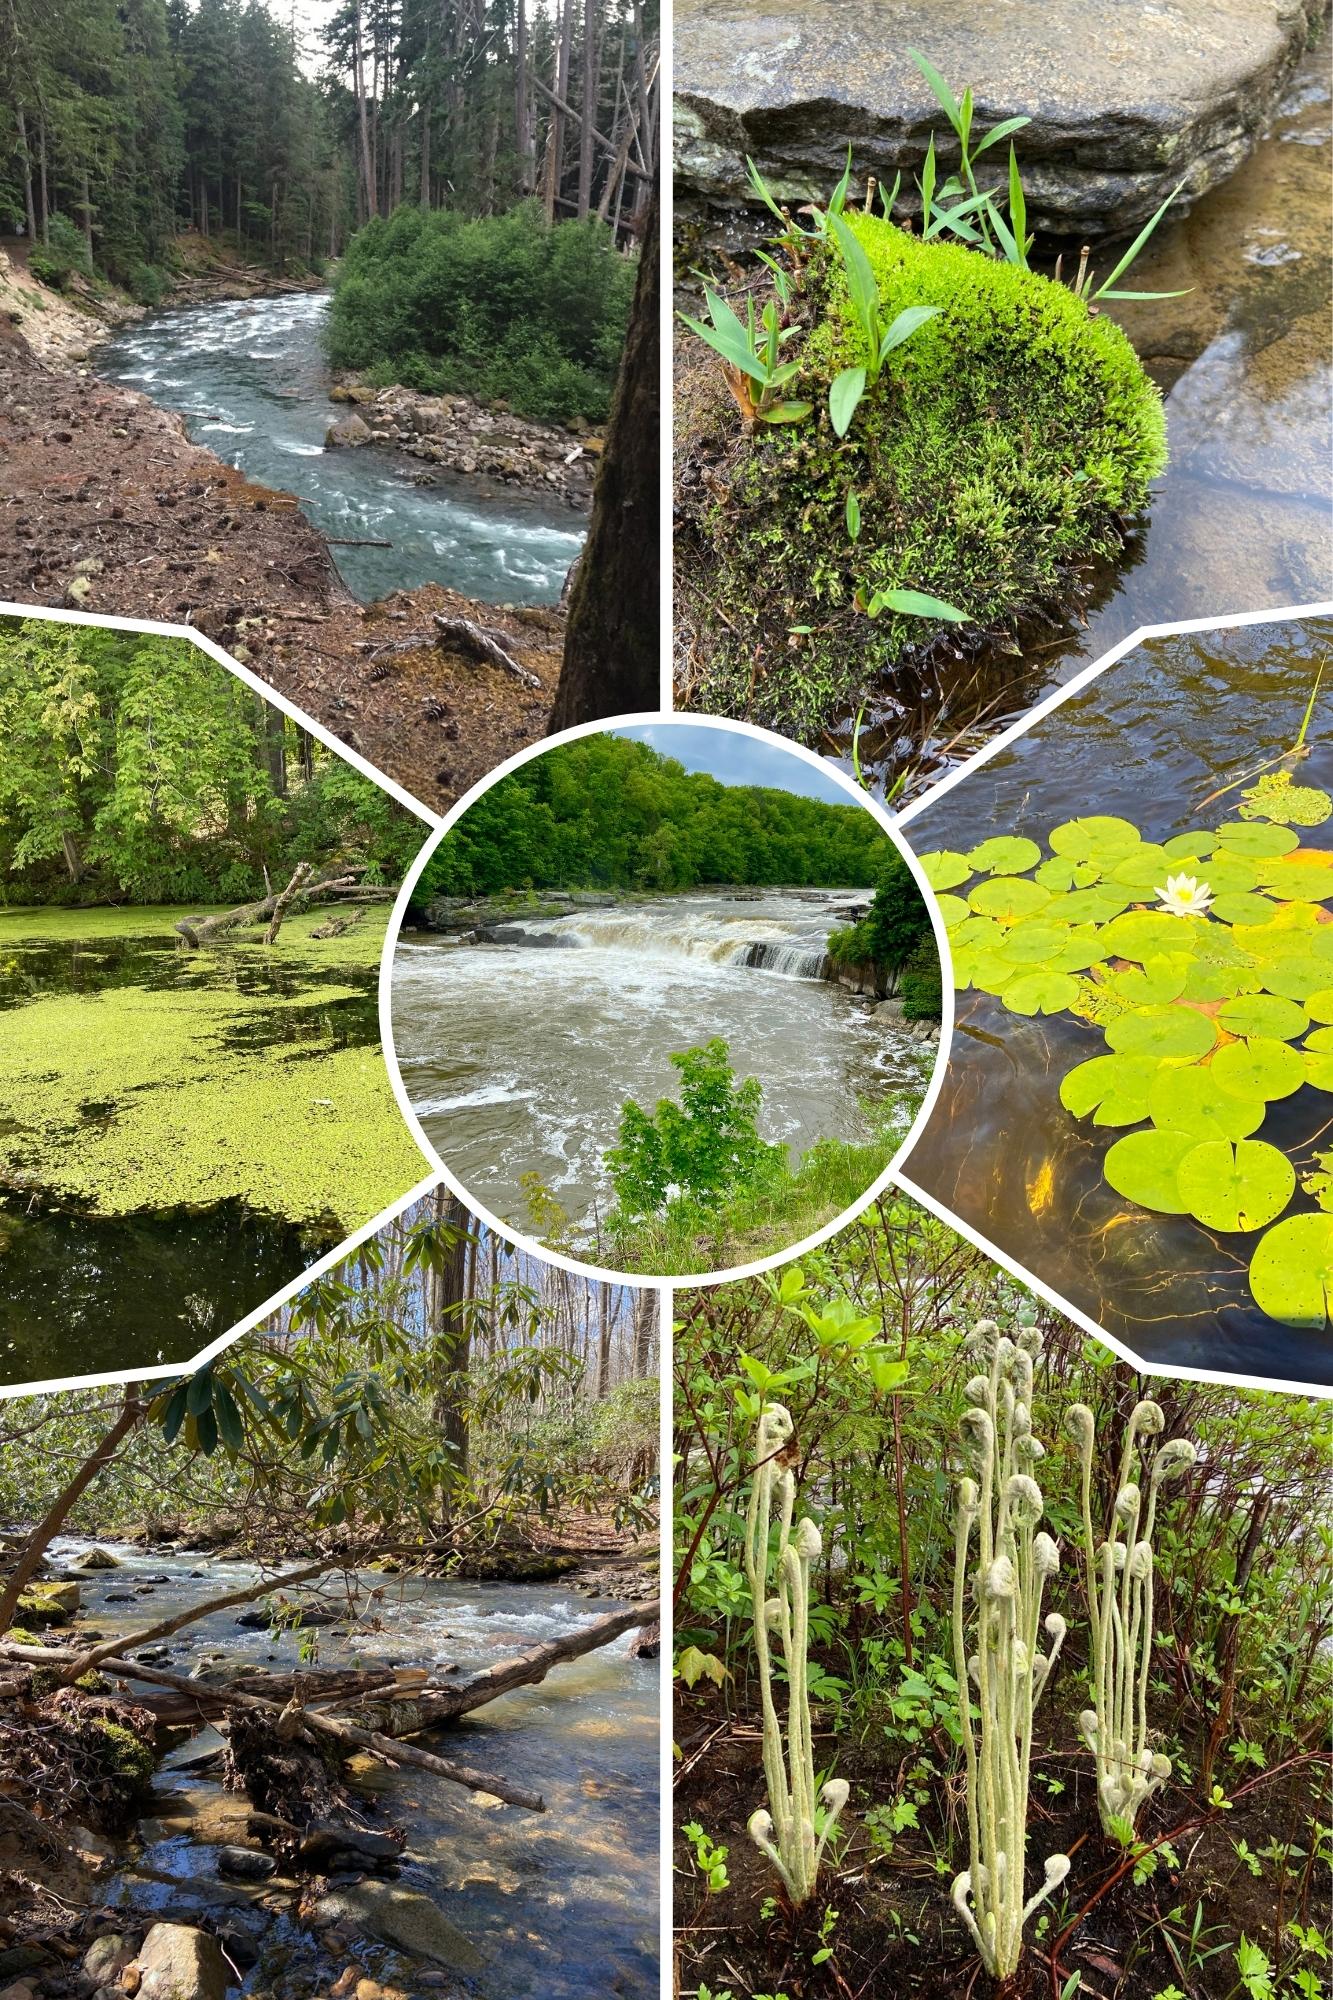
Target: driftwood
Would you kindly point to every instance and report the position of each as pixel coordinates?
(304, 870)
(198, 931)
(356, 542)
(483, 642)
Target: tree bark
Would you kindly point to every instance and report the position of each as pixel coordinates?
(132, 1408)
(282, 903)
(612, 658)
(448, 1326)
(591, 24)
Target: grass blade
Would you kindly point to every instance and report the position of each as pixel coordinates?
(928, 187)
(904, 326)
(939, 90)
(1138, 242)
(1000, 131)
(1018, 209)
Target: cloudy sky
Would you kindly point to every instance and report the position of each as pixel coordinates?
(734, 759)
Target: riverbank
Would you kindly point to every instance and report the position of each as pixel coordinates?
(458, 435)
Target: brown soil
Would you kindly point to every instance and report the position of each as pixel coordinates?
(896, 1931)
(106, 506)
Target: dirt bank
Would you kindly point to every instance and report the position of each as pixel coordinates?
(107, 507)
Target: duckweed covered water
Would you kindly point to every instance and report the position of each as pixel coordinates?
(180, 1132)
(1148, 741)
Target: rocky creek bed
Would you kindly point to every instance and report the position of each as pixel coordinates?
(192, 1878)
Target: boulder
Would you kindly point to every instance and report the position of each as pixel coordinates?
(178, 1962)
(1124, 99)
(246, 1864)
(107, 1957)
(402, 1918)
(351, 430)
(96, 1558)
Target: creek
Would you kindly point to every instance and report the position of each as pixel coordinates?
(1148, 741)
(181, 1132)
(517, 1056)
(250, 380)
(1240, 520)
(560, 1904)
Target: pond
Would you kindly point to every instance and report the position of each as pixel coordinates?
(250, 379)
(1149, 741)
(1240, 520)
(560, 1904)
(518, 1056)
(181, 1132)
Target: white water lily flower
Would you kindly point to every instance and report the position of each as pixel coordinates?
(1185, 896)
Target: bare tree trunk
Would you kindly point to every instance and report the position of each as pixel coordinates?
(523, 132)
(555, 147)
(28, 202)
(603, 1339)
(448, 1324)
(591, 56)
(132, 1408)
(645, 1326)
(363, 121)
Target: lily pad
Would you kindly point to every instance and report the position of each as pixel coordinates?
(1097, 838)
(944, 869)
(1319, 1006)
(1235, 1187)
(1242, 837)
(1318, 1069)
(1242, 907)
(1144, 934)
(1061, 872)
(1116, 1088)
(1291, 1272)
(1089, 906)
(1190, 1099)
(1144, 1167)
(953, 910)
(1206, 980)
(1034, 942)
(1259, 1068)
(1162, 1032)
(1142, 868)
(1296, 978)
(1008, 897)
(1006, 854)
(1190, 846)
(1263, 1014)
(1040, 992)
(1299, 878)
(977, 931)
(1227, 873)
(1160, 980)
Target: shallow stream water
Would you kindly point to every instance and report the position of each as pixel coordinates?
(1148, 741)
(250, 379)
(1240, 520)
(81, 1292)
(517, 1057)
(561, 1904)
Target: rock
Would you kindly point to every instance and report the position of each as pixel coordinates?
(47, 1603)
(246, 1864)
(889, 1010)
(96, 1558)
(178, 1962)
(326, 1847)
(402, 1918)
(107, 1957)
(350, 430)
(1124, 100)
(22, 1989)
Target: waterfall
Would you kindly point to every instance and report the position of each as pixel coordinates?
(762, 944)
(800, 959)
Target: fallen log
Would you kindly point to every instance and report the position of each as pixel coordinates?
(304, 870)
(198, 931)
(483, 642)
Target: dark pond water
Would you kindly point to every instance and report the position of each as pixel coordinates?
(1240, 520)
(83, 1293)
(1148, 741)
(249, 377)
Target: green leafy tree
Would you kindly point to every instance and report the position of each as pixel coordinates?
(698, 1151)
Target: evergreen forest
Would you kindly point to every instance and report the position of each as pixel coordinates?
(136, 770)
(125, 121)
(609, 813)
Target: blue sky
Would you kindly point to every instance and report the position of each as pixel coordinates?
(735, 759)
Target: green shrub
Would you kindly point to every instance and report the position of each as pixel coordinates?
(697, 1152)
(921, 988)
(145, 284)
(497, 307)
(64, 253)
(1000, 451)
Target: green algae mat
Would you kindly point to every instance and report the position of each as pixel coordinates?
(218, 1118)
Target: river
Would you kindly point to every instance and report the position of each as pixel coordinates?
(1148, 741)
(518, 1056)
(250, 379)
(561, 1904)
(1240, 520)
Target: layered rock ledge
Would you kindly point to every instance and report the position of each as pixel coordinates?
(1125, 98)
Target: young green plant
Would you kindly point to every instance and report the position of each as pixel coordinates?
(1005, 1578)
(1119, 1575)
(787, 1832)
(751, 354)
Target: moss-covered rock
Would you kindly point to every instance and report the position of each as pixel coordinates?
(44, 1604)
(1000, 453)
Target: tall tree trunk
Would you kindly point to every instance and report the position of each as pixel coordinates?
(368, 188)
(28, 203)
(591, 64)
(612, 661)
(449, 1326)
(603, 1339)
(41, 168)
(645, 1326)
(86, 205)
(555, 147)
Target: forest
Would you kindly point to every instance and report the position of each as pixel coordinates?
(135, 770)
(123, 121)
(1001, 1668)
(608, 812)
(402, 1489)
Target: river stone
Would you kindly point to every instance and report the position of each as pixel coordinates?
(349, 430)
(97, 1559)
(177, 1962)
(1125, 98)
(107, 1957)
(402, 1918)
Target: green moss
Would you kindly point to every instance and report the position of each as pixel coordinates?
(40, 1610)
(193, 1118)
(1000, 452)
(125, 1757)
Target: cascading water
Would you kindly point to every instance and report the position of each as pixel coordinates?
(250, 380)
(518, 1059)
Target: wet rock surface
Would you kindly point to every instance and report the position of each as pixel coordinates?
(1124, 100)
(461, 436)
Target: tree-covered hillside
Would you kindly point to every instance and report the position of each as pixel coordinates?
(607, 812)
(133, 768)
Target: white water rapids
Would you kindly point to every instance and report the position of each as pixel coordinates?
(517, 1055)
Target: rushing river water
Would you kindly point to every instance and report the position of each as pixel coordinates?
(518, 1056)
(1148, 741)
(132, 1040)
(249, 377)
(1240, 520)
(561, 1904)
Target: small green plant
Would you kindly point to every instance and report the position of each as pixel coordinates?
(1005, 1581)
(1118, 1573)
(752, 360)
(698, 1151)
(710, 1860)
(789, 1833)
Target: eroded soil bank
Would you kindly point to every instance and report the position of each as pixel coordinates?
(108, 507)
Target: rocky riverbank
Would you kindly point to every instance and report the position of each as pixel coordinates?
(454, 434)
(1123, 105)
